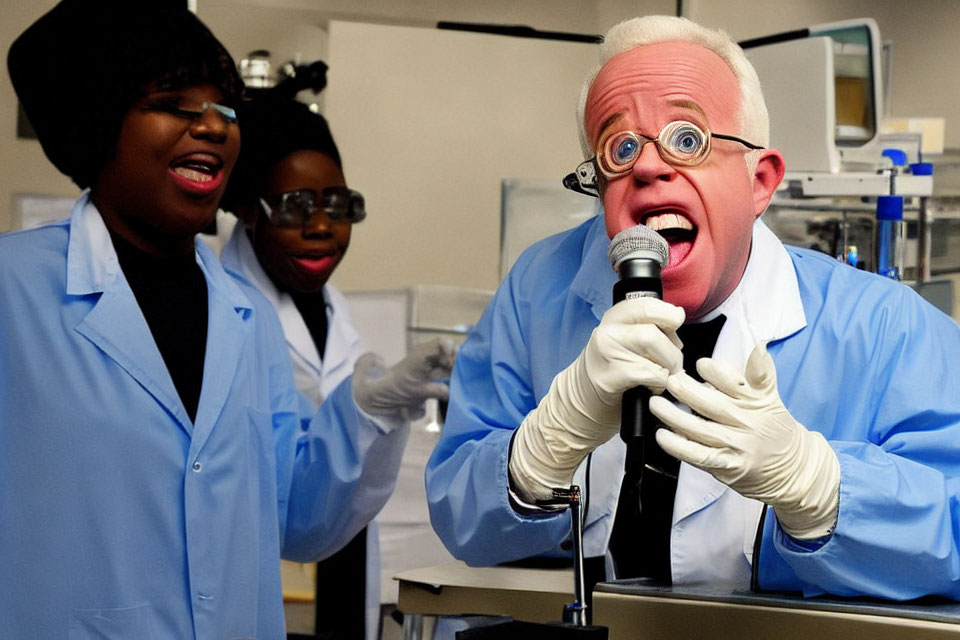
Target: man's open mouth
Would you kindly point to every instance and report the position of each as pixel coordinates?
(677, 230)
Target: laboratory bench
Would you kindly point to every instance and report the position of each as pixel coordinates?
(638, 610)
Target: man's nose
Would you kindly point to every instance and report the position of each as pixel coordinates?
(650, 166)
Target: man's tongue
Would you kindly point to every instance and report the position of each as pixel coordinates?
(677, 230)
(678, 250)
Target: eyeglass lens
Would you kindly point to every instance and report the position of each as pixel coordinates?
(679, 143)
(228, 114)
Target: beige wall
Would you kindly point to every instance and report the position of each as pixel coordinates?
(429, 122)
(449, 116)
(23, 167)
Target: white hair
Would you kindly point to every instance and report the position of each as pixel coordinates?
(754, 122)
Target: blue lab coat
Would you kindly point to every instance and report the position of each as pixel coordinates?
(861, 359)
(121, 518)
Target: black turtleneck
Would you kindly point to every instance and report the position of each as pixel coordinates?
(313, 308)
(172, 295)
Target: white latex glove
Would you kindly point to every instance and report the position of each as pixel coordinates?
(749, 441)
(399, 392)
(635, 344)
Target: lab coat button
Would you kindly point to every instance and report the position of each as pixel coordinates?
(197, 466)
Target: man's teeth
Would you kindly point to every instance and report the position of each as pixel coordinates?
(193, 174)
(668, 221)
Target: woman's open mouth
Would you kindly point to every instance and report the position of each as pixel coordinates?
(198, 173)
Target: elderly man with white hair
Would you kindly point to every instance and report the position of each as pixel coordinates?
(816, 449)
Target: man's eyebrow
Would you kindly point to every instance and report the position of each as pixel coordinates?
(689, 104)
(609, 121)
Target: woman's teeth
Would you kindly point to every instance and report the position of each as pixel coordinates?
(193, 174)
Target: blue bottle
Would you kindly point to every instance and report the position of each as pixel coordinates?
(890, 236)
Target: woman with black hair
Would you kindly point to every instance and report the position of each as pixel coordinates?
(153, 465)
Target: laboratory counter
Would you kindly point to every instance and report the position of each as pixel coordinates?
(637, 609)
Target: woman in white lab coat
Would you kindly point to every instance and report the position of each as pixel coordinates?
(297, 215)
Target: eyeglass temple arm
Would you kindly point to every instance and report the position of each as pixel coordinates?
(748, 145)
(572, 182)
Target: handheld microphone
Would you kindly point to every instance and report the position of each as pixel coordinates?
(637, 254)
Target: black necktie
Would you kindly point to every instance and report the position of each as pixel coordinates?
(640, 540)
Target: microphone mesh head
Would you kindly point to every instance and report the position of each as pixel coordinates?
(638, 242)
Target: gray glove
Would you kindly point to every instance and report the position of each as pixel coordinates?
(400, 391)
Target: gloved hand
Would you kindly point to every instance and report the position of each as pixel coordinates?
(400, 391)
(749, 441)
(635, 344)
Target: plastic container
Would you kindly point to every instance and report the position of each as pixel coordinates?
(890, 236)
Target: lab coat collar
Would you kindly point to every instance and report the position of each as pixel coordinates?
(595, 278)
(766, 303)
(92, 263)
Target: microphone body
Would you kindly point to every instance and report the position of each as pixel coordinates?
(637, 255)
(639, 278)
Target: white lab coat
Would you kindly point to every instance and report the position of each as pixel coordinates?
(314, 378)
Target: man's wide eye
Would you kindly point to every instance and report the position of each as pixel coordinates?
(688, 142)
(685, 140)
(624, 149)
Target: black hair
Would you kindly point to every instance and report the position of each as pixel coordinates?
(272, 126)
(105, 56)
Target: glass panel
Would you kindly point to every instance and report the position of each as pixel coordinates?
(853, 83)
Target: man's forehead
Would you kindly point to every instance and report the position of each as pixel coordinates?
(690, 105)
(672, 74)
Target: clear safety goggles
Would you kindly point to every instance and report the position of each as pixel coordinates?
(227, 114)
(680, 144)
(295, 208)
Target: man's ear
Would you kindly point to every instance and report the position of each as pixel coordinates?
(766, 178)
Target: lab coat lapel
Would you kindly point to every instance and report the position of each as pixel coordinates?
(115, 323)
(696, 490)
(343, 343)
(239, 259)
(227, 337)
(299, 338)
